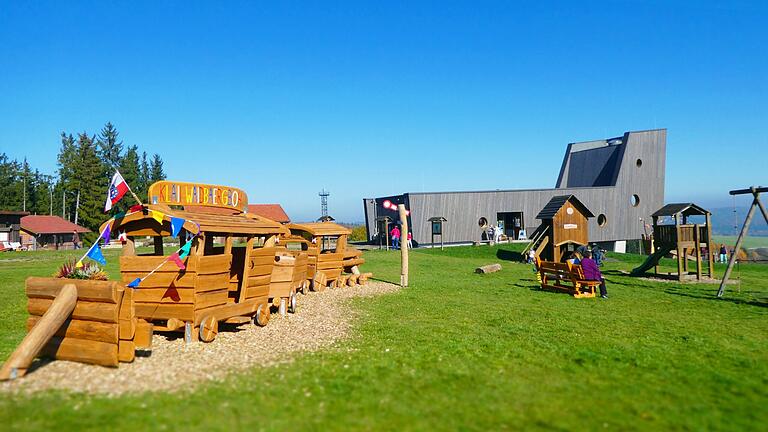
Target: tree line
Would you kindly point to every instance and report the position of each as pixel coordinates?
(78, 189)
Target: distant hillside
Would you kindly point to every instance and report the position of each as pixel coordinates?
(723, 221)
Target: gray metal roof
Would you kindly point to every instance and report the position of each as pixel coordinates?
(549, 210)
(688, 209)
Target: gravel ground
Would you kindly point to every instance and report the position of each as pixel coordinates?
(321, 320)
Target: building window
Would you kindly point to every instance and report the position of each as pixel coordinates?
(601, 220)
(483, 222)
(639, 163)
(634, 200)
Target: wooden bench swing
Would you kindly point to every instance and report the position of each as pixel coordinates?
(565, 277)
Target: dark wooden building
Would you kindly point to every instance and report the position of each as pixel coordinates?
(10, 226)
(621, 180)
(49, 232)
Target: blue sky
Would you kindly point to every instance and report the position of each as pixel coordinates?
(369, 99)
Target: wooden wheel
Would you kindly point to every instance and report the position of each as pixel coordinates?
(209, 328)
(262, 315)
(317, 287)
(292, 303)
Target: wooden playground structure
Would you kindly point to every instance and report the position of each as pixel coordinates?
(331, 263)
(229, 266)
(564, 227)
(683, 239)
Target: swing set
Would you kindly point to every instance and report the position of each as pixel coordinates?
(755, 191)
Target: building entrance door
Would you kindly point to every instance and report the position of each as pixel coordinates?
(511, 223)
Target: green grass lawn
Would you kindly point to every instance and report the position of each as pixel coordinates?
(463, 351)
(749, 242)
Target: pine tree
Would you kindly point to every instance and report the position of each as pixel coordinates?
(43, 184)
(90, 183)
(143, 175)
(10, 184)
(156, 172)
(28, 187)
(110, 150)
(67, 159)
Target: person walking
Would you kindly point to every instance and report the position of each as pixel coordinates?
(723, 253)
(75, 240)
(410, 240)
(592, 272)
(395, 234)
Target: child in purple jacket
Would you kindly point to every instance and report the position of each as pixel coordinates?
(592, 272)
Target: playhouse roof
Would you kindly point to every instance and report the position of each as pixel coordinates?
(552, 207)
(320, 228)
(687, 209)
(208, 222)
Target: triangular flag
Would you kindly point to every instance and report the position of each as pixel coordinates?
(136, 208)
(134, 283)
(105, 234)
(185, 250)
(156, 215)
(96, 255)
(79, 264)
(177, 260)
(176, 225)
(123, 237)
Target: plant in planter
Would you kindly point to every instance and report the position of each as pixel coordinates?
(69, 270)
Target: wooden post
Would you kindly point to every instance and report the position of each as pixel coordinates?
(680, 253)
(41, 333)
(710, 257)
(129, 248)
(697, 243)
(246, 269)
(739, 240)
(158, 245)
(403, 246)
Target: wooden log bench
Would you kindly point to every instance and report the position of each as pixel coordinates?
(566, 277)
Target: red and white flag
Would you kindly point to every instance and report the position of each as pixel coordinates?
(117, 188)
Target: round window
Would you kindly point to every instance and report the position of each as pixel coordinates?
(634, 200)
(601, 220)
(483, 222)
(639, 163)
(569, 210)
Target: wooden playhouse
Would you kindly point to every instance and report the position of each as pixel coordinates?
(564, 227)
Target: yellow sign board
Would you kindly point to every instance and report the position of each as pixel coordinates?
(199, 194)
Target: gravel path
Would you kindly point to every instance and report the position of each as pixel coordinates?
(321, 319)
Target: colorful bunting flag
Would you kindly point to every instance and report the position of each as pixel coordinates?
(176, 259)
(134, 283)
(136, 208)
(185, 250)
(79, 264)
(176, 225)
(95, 254)
(158, 216)
(123, 237)
(105, 234)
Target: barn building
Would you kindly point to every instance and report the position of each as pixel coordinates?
(620, 180)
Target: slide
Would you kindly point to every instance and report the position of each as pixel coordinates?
(652, 260)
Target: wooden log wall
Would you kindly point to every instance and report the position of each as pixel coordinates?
(102, 328)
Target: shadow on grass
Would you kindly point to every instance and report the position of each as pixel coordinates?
(679, 291)
(508, 255)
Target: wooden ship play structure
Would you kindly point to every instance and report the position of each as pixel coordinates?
(682, 239)
(226, 266)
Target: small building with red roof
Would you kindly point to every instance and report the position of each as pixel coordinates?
(269, 211)
(49, 232)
